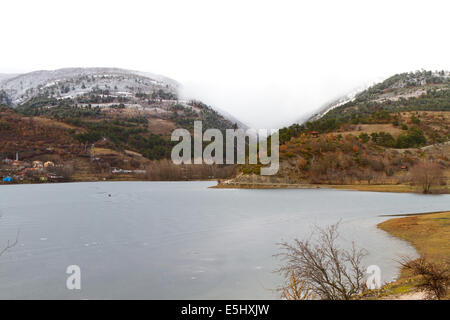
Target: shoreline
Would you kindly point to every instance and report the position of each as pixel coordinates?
(397, 188)
(100, 180)
(429, 234)
(392, 188)
(418, 228)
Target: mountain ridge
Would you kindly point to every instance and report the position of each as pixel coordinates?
(101, 122)
(23, 87)
(399, 88)
(386, 135)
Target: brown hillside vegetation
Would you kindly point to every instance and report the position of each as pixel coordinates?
(104, 156)
(34, 137)
(366, 154)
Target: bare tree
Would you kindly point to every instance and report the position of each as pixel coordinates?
(426, 174)
(329, 271)
(65, 171)
(435, 277)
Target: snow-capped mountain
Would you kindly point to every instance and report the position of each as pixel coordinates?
(350, 96)
(72, 82)
(4, 76)
(404, 85)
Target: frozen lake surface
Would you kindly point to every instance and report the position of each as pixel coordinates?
(179, 240)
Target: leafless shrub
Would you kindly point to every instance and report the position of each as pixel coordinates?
(66, 171)
(435, 277)
(426, 175)
(165, 170)
(296, 289)
(327, 270)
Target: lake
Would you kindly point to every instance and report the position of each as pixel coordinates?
(179, 240)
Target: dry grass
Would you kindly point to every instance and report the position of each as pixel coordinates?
(161, 126)
(97, 152)
(429, 234)
(426, 115)
(52, 123)
(371, 128)
(133, 154)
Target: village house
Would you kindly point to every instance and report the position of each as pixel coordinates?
(49, 164)
(17, 163)
(38, 164)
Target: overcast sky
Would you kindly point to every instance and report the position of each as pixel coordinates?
(266, 62)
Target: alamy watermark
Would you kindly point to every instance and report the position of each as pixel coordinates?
(235, 147)
(73, 281)
(374, 279)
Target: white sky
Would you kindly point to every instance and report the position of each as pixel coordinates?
(265, 62)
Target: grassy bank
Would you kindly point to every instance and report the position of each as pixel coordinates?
(428, 233)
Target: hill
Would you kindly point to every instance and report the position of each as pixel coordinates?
(73, 82)
(380, 137)
(421, 90)
(96, 119)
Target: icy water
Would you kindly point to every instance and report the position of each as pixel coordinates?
(178, 240)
